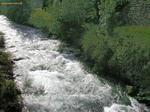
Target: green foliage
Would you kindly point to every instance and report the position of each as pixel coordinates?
(9, 100)
(41, 19)
(139, 13)
(49, 3)
(90, 25)
(4, 57)
(97, 49)
(107, 16)
(121, 56)
(71, 17)
(9, 94)
(132, 59)
(129, 89)
(121, 52)
(66, 18)
(139, 33)
(111, 14)
(4, 8)
(20, 13)
(6, 64)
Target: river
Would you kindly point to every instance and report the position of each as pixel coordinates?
(51, 81)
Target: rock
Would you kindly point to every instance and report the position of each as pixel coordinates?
(129, 89)
(18, 59)
(1, 42)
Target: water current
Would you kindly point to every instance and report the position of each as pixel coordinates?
(51, 81)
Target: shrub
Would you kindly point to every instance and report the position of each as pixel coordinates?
(20, 13)
(9, 94)
(122, 57)
(131, 60)
(40, 18)
(9, 97)
(96, 49)
(70, 17)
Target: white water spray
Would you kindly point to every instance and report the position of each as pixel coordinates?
(54, 82)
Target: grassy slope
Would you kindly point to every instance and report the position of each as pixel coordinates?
(140, 33)
(9, 94)
(39, 18)
(140, 36)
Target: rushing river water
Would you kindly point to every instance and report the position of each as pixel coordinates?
(55, 82)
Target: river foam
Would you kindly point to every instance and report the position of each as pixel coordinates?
(55, 82)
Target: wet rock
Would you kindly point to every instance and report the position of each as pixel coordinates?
(17, 59)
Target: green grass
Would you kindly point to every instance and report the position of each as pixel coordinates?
(40, 18)
(138, 60)
(141, 34)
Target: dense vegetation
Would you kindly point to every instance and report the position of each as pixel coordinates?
(96, 29)
(139, 13)
(18, 13)
(9, 94)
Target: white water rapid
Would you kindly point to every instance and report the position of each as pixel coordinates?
(55, 82)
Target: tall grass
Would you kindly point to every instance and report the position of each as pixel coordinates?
(9, 94)
(140, 34)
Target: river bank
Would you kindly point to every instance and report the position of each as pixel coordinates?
(42, 72)
(119, 52)
(10, 99)
(100, 31)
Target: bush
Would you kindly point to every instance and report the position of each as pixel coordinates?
(139, 34)
(20, 13)
(70, 17)
(122, 57)
(96, 49)
(40, 18)
(9, 94)
(6, 65)
(131, 60)
(9, 97)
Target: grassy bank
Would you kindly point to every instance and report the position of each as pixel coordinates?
(122, 54)
(9, 94)
(138, 60)
(125, 57)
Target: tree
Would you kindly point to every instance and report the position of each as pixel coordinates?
(20, 13)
